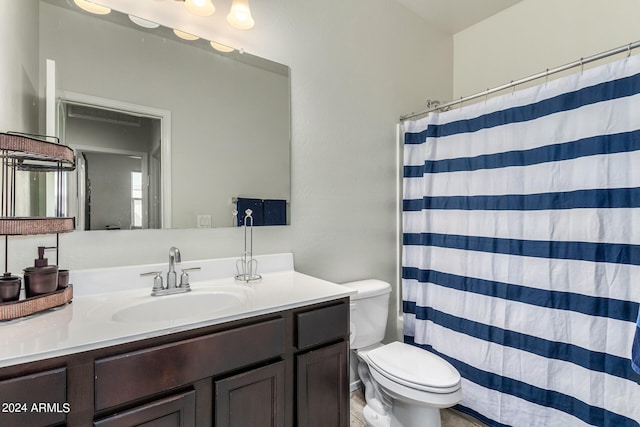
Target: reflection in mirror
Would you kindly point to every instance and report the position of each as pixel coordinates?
(222, 131)
(124, 148)
(31, 194)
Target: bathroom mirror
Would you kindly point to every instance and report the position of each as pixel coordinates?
(189, 128)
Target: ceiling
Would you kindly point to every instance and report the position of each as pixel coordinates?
(453, 16)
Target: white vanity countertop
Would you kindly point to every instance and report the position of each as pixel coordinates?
(87, 323)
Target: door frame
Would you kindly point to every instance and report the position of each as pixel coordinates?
(164, 116)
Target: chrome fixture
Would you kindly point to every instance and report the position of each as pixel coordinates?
(172, 276)
(247, 266)
(172, 287)
(184, 277)
(158, 286)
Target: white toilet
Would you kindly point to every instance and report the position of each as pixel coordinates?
(404, 385)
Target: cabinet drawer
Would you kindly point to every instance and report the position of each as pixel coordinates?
(37, 399)
(179, 410)
(322, 325)
(134, 375)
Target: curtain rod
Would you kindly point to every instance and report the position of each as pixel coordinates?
(579, 63)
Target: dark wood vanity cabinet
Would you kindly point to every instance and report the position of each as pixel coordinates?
(36, 398)
(278, 370)
(322, 389)
(173, 411)
(254, 398)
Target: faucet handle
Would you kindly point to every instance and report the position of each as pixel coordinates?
(184, 277)
(157, 281)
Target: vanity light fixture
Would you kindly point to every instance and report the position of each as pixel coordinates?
(143, 22)
(240, 15)
(200, 7)
(185, 36)
(91, 7)
(221, 47)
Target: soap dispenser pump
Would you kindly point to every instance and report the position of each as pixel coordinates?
(42, 278)
(41, 261)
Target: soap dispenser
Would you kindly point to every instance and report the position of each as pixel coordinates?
(42, 278)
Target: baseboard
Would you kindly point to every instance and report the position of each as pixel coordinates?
(355, 386)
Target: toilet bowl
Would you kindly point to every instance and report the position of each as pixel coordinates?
(404, 385)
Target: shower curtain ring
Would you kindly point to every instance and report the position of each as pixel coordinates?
(546, 77)
(581, 65)
(629, 51)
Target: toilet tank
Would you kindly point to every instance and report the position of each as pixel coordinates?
(369, 310)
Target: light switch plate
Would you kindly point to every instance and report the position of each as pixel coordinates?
(204, 221)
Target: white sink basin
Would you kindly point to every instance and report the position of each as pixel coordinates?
(180, 306)
(205, 301)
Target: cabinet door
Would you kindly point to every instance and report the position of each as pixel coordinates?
(38, 399)
(173, 411)
(322, 387)
(254, 398)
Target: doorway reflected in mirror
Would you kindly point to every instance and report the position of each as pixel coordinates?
(119, 167)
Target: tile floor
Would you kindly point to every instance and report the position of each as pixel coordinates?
(449, 417)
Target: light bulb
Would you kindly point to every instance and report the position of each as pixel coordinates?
(221, 47)
(143, 22)
(92, 7)
(200, 7)
(240, 15)
(185, 36)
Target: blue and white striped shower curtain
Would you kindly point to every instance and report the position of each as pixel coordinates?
(521, 248)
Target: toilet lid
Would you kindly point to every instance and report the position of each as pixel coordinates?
(414, 367)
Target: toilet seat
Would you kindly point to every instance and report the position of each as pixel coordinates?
(414, 368)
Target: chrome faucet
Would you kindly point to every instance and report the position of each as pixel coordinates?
(172, 276)
(172, 286)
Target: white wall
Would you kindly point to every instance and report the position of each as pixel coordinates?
(535, 35)
(356, 66)
(18, 66)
